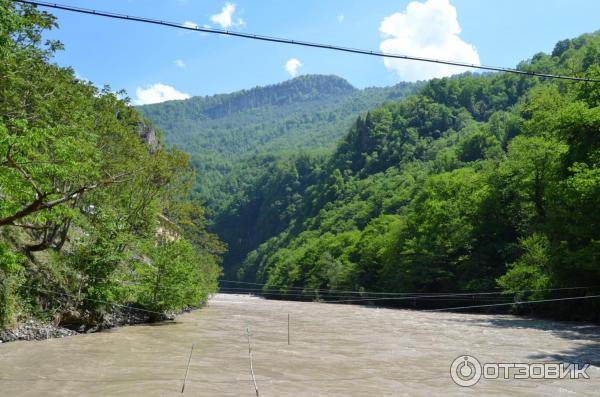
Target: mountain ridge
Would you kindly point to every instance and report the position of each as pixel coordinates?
(183, 119)
(326, 85)
(307, 113)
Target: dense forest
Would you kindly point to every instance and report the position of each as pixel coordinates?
(231, 137)
(95, 214)
(476, 182)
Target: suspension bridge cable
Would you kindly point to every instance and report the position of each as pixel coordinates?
(91, 300)
(449, 297)
(312, 295)
(304, 293)
(410, 294)
(307, 292)
(395, 298)
(337, 301)
(512, 303)
(443, 298)
(299, 42)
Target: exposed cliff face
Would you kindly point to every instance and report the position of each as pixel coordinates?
(148, 136)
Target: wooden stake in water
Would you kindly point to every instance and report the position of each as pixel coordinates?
(251, 367)
(187, 369)
(288, 328)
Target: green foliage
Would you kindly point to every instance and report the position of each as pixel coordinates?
(175, 277)
(231, 136)
(477, 181)
(84, 196)
(531, 270)
(531, 168)
(478, 146)
(11, 278)
(96, 261)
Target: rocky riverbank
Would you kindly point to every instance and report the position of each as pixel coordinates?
(37, 330)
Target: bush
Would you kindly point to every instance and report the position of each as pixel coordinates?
(11, 278)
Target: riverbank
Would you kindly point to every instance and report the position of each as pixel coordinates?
(35, 330)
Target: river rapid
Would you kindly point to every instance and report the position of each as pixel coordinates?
(334, 350)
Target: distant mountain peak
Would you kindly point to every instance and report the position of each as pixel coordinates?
(304, 88)
(327, 82)
(307, 83)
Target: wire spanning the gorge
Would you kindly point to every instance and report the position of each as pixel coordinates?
(92, 300)
(315, 296)
(512, 303)
(407, 294)
(299, 42)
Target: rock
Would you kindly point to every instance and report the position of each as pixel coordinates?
(148, 136)
(126, 315)
(34, 330)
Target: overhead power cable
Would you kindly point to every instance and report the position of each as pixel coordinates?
(299, 42)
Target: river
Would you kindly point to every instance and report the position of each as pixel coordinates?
(334, 350)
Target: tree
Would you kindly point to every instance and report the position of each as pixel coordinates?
(11, 278)
(80, 181)
(532, 167)
(478, 146)
(176, 277)
(532, 270)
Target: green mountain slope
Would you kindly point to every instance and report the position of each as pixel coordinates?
(475, 183)
(306, 113)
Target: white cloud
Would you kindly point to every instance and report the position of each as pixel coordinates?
(428, 30)
(225, 18)
(292, 65)
(179, 63)
(190, 24)
(156, 93)
(340, 18)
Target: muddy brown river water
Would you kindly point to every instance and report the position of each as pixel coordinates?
(335, 350)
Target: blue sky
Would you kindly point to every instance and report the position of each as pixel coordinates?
(155, 63)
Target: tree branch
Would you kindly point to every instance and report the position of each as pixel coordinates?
(38, 204)
(22, 171)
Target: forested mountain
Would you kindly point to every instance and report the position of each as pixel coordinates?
(306, 112)
(94, 211)
(222, 132)
(476, 182)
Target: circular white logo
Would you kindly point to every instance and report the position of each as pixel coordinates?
(465, 371)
